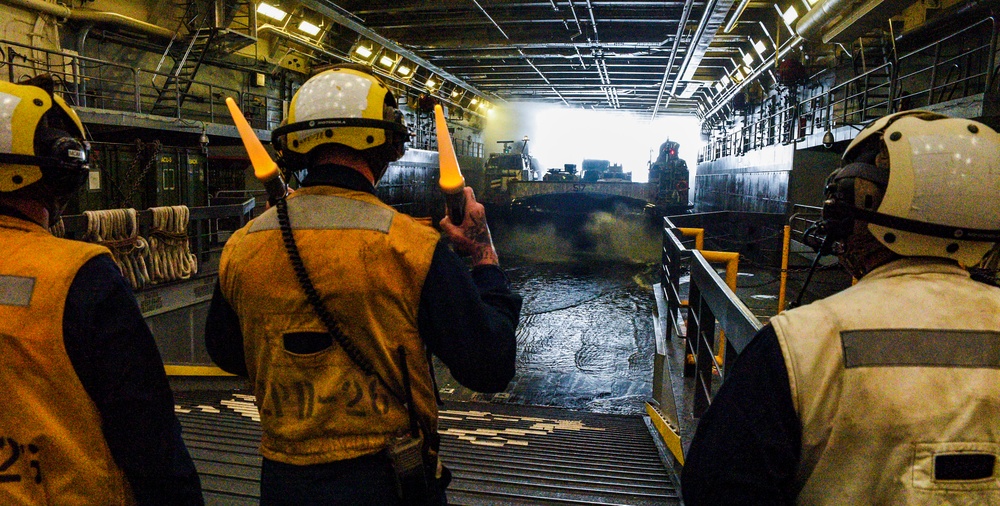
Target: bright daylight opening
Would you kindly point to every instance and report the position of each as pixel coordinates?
(561, 135)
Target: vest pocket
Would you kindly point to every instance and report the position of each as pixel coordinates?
(307, 343)
(956, 466)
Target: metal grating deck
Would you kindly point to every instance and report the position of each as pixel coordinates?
(498, 453)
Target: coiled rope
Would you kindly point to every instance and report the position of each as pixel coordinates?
(118, 230)
(170, 256)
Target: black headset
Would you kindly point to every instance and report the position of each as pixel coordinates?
(62, 158)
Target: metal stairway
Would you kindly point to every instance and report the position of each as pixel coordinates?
(226, 29)
(498, 453)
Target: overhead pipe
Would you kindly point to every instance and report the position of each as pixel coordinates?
(89, 16)
(593, 21)
(698, 33)
(736, 16)
(554, 90)
(579, 28)
(809, 25)
(673, 53)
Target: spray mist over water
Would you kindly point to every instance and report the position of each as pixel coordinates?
(599, 236)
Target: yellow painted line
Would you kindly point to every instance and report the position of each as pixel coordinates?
(442, 417)
(670, 436)
(195, 370)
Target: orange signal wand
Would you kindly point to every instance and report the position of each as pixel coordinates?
(451, 181)
(263, 166)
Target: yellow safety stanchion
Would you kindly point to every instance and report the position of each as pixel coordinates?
(784, 267)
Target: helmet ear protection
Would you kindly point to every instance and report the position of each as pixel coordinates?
(905, 176)
(345, 105)
(37, 145)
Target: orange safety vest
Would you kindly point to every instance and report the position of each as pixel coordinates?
(368, 263)
(52, 450)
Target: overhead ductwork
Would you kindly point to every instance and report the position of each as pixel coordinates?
(845, 20)
(90, 16)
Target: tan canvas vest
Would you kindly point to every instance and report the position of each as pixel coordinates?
(52, 450)
(896, 382)
(368, 263)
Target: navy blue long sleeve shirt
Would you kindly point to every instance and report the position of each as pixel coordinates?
(747, 446)
(119, 365)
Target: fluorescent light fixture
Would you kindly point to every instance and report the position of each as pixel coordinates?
(790, 15)
(431, 84)
(725, 81)
(271, 11)
(760, 48)
(363, 51)
(309, 28)
(454, 93)
(474, 101)
(738, 76)
(403, 70)
(748, 58)
(385, 61)
(490, 112)
(719, 87)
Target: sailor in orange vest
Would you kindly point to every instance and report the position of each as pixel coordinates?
(886, 392)
(86, 414)
(331, 302)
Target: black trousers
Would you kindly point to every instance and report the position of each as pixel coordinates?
(366, 480)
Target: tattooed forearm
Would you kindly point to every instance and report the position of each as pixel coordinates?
(472, 237)
(478, 233)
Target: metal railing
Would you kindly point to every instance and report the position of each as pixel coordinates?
(94, 83)
(712, 307)
(955, 66)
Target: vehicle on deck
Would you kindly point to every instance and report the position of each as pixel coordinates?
(669, 176)
(512, 164)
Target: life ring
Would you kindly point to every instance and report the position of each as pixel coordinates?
(681, 185)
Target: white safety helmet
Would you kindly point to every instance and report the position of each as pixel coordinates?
(345, 105)
(941, 191)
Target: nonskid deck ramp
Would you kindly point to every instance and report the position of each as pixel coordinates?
(498, 453)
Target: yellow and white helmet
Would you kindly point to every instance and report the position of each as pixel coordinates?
(344, 105)
(41, 140)
(941, 188)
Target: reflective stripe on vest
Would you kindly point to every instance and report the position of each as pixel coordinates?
(51, 444)
(327, 212)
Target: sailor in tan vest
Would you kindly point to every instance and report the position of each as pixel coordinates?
(886, 392)
(331, 302)
(86, 414)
